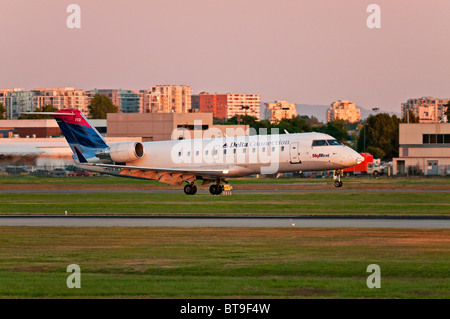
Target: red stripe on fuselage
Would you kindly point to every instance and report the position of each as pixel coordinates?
(77, 119)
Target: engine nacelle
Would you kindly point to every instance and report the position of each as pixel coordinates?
(122, 152)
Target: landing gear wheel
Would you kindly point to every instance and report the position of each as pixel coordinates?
(190, 189)
(337, 174)
(215, 189)
(338, 184)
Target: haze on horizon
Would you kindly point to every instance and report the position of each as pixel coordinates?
(307, 52)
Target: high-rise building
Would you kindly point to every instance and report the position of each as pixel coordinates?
(228, 105)
(279, 110)
(166, 99)
(214, 103)
(62, 98)
(344, 110)
(427, 109)
(129, 101)
(195, 102)
(16, 101)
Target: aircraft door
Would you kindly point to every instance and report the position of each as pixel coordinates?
(294, 153)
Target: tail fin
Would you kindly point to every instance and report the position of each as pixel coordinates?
(84, 140)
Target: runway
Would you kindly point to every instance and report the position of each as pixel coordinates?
(242, 221)
(202, 191)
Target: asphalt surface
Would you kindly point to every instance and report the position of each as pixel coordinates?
(194, 221)
(240, 191)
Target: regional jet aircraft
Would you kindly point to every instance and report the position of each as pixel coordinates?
(211, 160)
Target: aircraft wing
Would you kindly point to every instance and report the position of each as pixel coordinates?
(165, 175)
(171, 170)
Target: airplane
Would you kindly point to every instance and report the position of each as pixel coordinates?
(211, 160)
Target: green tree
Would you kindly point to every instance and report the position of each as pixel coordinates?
(100, 106)
(381, 133)
(376, 152)
(411, 118)
(295, 124)
(45, 108)
(2, 111)
(448, 111)
(312, 121)
(248, 120)
(337, 129)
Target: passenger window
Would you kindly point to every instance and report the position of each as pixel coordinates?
(282, 148)
(206, 152)
(234, 151)
(197, 153)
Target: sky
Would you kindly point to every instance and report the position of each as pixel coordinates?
(307, 52)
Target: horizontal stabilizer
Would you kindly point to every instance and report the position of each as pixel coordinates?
(48, 113)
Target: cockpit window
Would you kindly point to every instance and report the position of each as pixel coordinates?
(319, 143)
(325, 142)
(334, 142)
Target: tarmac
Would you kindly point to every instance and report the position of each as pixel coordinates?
(222, 221)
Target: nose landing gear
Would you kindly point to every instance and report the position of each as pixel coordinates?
(337, 175)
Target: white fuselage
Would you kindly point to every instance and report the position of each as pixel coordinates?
(247, 155)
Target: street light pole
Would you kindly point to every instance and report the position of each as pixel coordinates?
(364, 128)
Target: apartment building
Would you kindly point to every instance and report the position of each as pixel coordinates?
(427, 109)
(166, 99)
(62, 98)
(16, 100)
(279, 110)
(228, 105)
(344, 110)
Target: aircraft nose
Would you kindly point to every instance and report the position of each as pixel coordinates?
(359, 159)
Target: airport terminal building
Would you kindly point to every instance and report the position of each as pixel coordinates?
(424, 149)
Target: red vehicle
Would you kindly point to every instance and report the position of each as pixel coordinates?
(82, 173)
(366, 167)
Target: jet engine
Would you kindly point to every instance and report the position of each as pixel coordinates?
(122, 152)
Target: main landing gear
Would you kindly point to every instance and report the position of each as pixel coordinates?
(216, 189)
(337, 175)
(190, 189)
